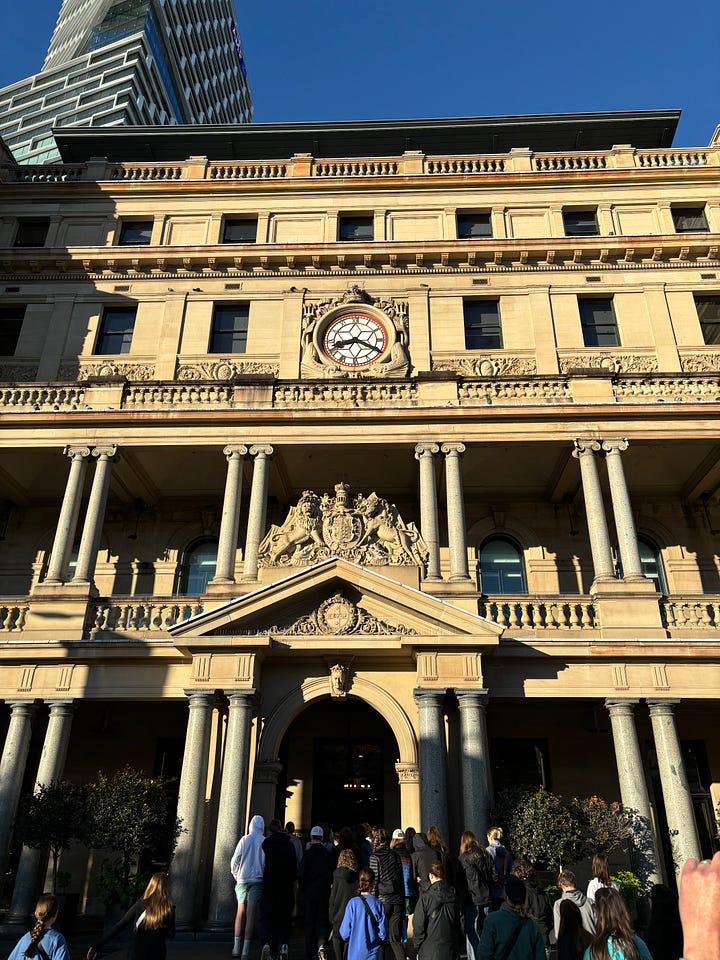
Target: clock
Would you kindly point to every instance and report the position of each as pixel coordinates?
(354, 340)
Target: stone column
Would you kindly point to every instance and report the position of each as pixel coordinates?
(622, 510)
(191, 807)
(69, 513)
(232, 809)
(409, 783)
(457, 539)
(425, 453)
(676, 793)
(227, 541)
(585, 451)
(265, 781)
(633, 787)
(92, 530)
(258, 509)
(52, 764)
(433, 760)
(12, 770)
(476, 778)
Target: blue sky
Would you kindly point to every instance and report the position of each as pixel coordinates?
(379, 59)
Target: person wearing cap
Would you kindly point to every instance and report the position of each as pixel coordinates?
(315, 877)
(400, 846)
(508, 934)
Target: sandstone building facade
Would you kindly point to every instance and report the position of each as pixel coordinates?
(358, 471)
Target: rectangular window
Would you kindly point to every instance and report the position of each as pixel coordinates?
(116, 330)
(690, 220)
(708, 311)
(581, 223)
(473, 226)
(229, 328)
(356, 227)
(32, 233)
(240, 230)
(483, 330)
(135, 233)
(599, 326)
(11, 321)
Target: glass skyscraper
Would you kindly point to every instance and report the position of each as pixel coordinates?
(113, 62)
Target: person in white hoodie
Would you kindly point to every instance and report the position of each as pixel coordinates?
(247, 866)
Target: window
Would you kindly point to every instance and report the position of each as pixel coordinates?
(650, 563)
(31, 233)
(240, 231)
(708, 311)
(229, 328)
(599, 326)
(483, 330)
(116, 330)
(135, 233)
(11, 321)
(197, 567)
(356, 227)
(690, 220)
(502, 569)
(581, 223)
(473, 226)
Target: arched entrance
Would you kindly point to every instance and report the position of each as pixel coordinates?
(338, 765)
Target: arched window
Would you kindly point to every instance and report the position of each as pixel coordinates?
(651, 563)
(502, 568)
(197, 567)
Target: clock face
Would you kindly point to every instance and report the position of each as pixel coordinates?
(354, 340)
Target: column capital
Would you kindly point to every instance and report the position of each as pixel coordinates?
(200, 698)
(267, 771)
(662, 708)
(408, 772)
(21, 707)
(615, 446)
(427, 448)
(61, 708)
(622, 707)
(105, 451)
(427, 697)
(243, 697)
(585, 446)
(473, 698)
(261, 450)
(456, 448)
(76, 453)
(235, 451)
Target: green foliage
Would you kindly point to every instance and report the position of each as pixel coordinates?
(605, 826)
(115, 887)
(52, 818)
(541, 826)
(628, 886)
(553, 893)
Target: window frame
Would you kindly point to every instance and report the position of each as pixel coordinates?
(577, 230)
(594, 327)
(185, 568)
(105, 336)
(468, 217)
(11, 313)
(131, 223)
(678, 212)
(229, 222)
(346, 219)
(29, 222)
(711, 323)
(520, 553)
(215, 333)
(483, 331)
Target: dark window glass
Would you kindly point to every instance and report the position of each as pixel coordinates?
(650, 562)
(11, 321)
(356, 228)
(599, 326)
(502, 569)
(708, 310)
(472, 226)
(580, 223)
(483, 330)
(197, 568)
(690, 220)
(31, 233)
(240, 231)
(136, 233)
(116, 330)
(229, 329)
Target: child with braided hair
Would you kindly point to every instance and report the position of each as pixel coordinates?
(42, 941)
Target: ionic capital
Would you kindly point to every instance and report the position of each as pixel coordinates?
(77, 453)
(105, 452)
(615, 446)
(235, 451)
(261, 451)
(453, 449)
(426, 449)
(586, 446)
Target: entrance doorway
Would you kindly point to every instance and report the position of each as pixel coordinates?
(338, 767)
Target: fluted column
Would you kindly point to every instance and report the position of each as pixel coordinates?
(476, 779)
(676, 792)
(191, 807)
(457, 537)
(425, 454)
(622, 510)
(69, 513)
(232, 807)
(92, 529)
(12, 770)
(258, 508)
(633, 787)
(230, 521)
(433, 759)
(585, 451)
(52, 764)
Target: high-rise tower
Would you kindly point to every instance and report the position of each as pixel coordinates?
(113, 62)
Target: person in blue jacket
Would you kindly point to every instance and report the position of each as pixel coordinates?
(42, 940)
(364, 925)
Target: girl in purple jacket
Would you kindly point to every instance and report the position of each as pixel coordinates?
(364, 925)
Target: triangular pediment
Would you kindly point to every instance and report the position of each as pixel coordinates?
(337, 598)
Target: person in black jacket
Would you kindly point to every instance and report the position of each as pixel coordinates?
(476, 874)
(152, 921)
(344, 888)
(423, 856)
(437, 931)
(389, 888)
(278, 893)
(315, 876)
(537, 906)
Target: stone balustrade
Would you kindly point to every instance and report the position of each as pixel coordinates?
(123, 617)
(13, 615)
(691, 613)
(540, 614)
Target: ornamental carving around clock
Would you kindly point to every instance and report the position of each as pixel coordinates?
(354, 340)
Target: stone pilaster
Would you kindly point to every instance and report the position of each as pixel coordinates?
(476, 777)
(265, 781)
(676, 792)
(457, 537)
(433, 759)
(633, 787)
(230, 521)
(585, 451)
(425, 454)
(69, 513)
(262, 454)
(12, 770)
(232, 808)
(92, 529)
(622, 510)
(409, 783)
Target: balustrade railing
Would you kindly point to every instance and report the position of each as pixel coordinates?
(13, 615)
(126, 616)
(691, 613)
(548, 614)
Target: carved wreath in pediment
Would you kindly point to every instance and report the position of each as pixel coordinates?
(338, 616)
(381, 324)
